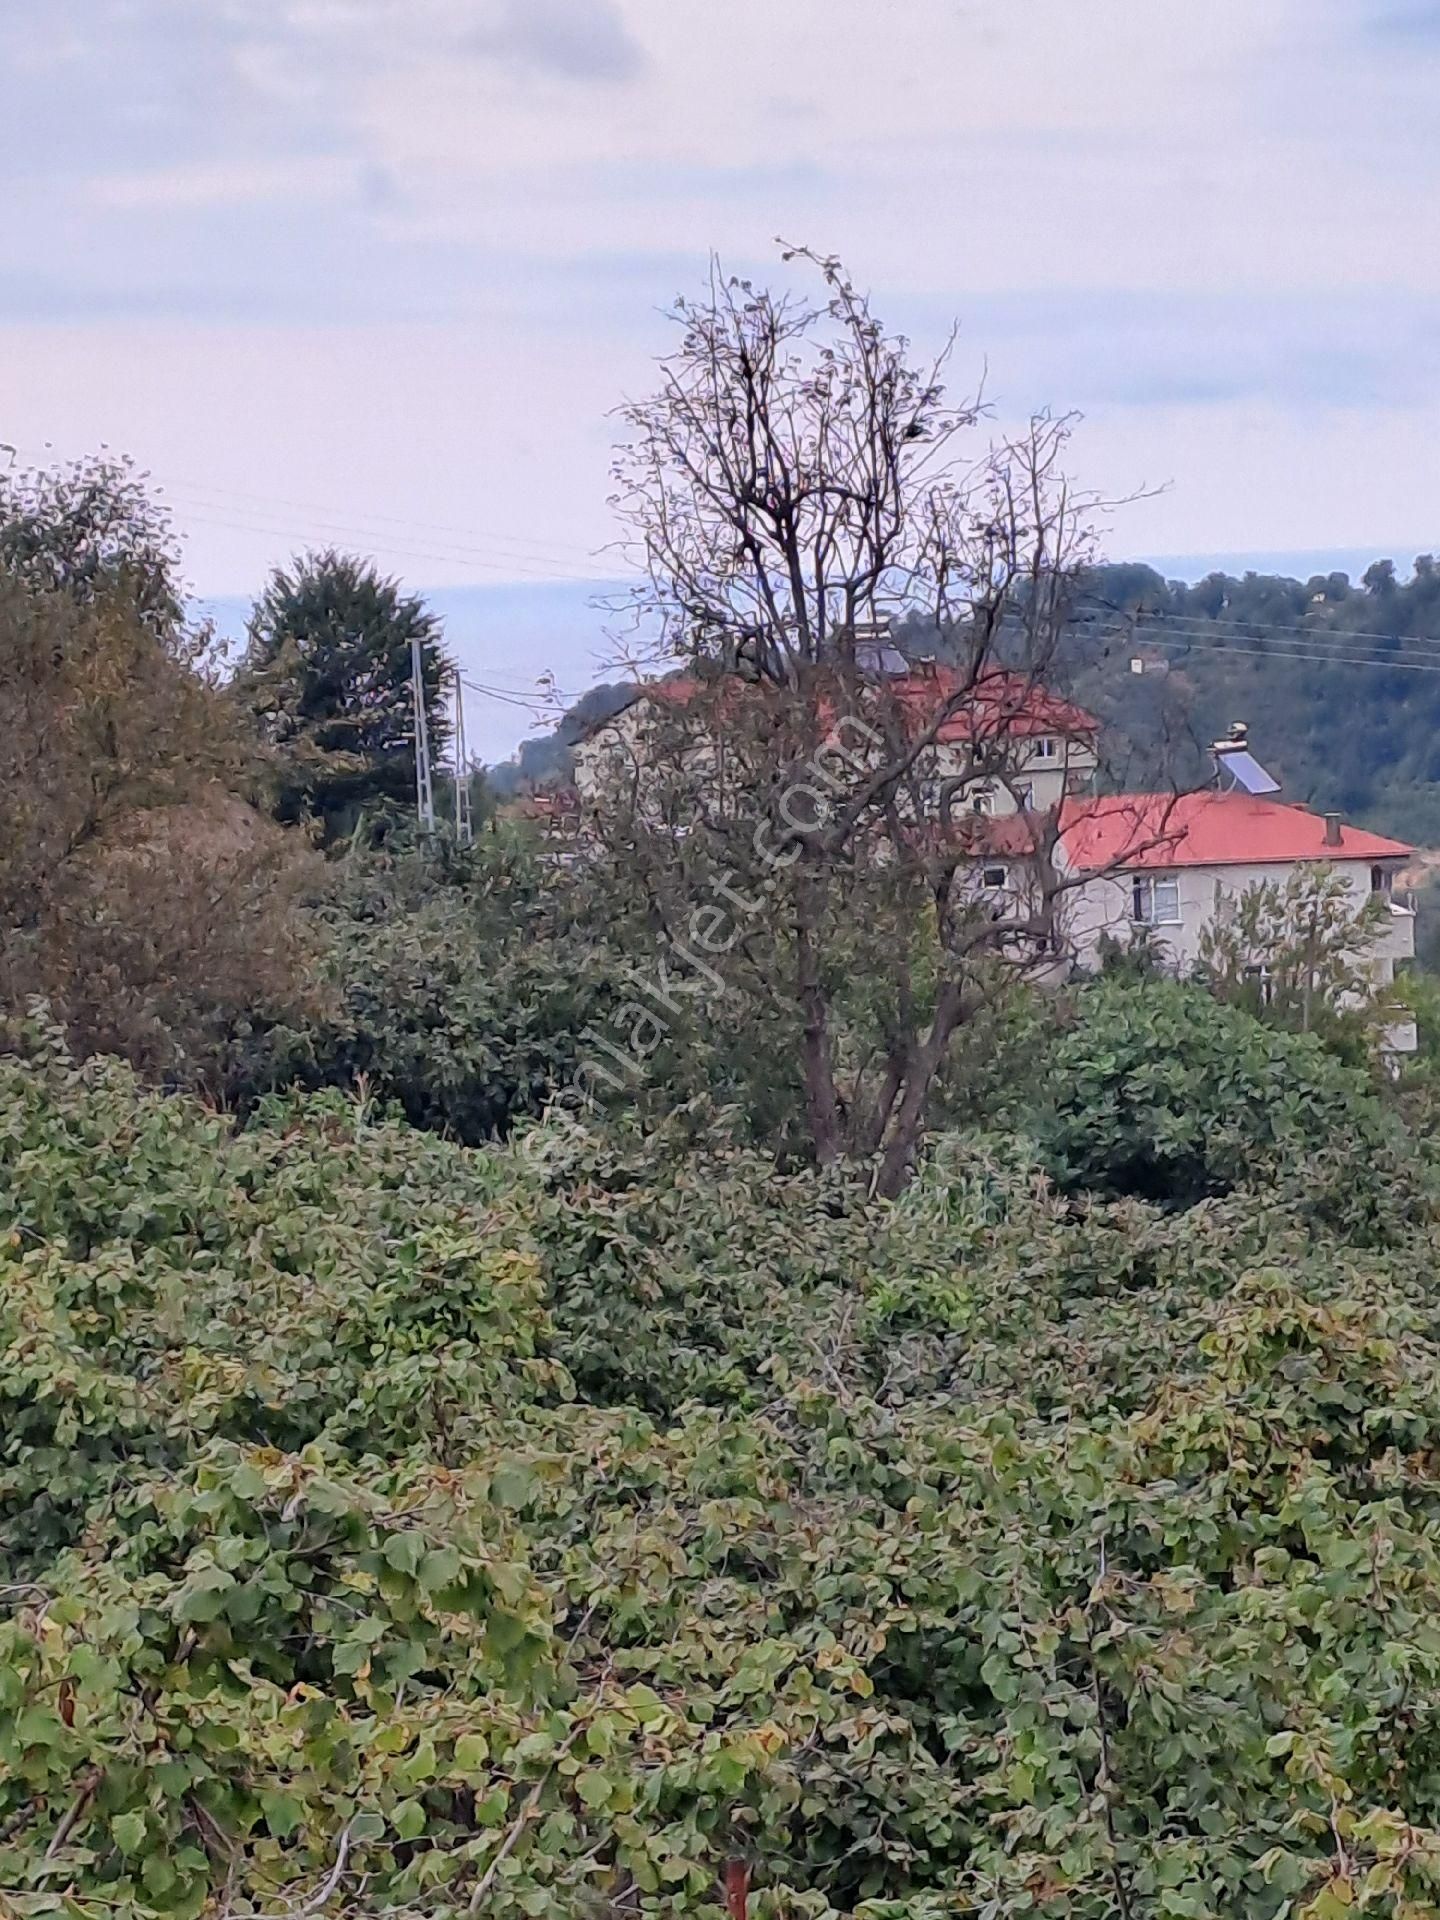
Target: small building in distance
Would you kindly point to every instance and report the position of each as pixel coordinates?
(1166, 863)
(1041, 746)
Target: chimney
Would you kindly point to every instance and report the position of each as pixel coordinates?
(1333, 837)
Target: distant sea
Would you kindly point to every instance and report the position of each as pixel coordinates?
(507, 637)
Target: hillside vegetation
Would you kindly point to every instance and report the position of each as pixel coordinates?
(1336, 678)
(537, 1532)
(695, 1380)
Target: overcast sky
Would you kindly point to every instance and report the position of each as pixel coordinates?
(375, 270)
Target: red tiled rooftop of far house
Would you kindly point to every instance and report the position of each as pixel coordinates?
(1207, 829)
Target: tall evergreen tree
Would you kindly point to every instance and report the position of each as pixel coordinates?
(327, 673)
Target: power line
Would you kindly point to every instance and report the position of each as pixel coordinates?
(289, 534)
(364, 525)
(1191, 644)
(359, 525)
(1287, 647)
(554, 703)
(1260, 629)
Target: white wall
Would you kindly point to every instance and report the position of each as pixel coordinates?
(1049, 780)
(620, 747)
(1104, 905)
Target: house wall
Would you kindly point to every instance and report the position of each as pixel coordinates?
(1105, 906)
(620, 746)
(1049, 780)
(613, 747)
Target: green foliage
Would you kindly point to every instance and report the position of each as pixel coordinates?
(142, 894)
(327, 674)
(1359, 740)
(458, 985)
(1300, 952)
(1160, 1091)
(400, 1529)
(93, 532)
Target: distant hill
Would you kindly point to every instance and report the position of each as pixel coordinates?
(1338, 679)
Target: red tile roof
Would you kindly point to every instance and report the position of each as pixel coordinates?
(1205, 829)
(998, 705)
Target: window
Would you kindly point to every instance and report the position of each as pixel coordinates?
(993, 876)
(981, 800)
(1155, 900)
(1381, 880)
(1046, 748)
(1024, 796)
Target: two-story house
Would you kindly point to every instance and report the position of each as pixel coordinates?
(1005, 744)
(1040, 747)
(1165, 863)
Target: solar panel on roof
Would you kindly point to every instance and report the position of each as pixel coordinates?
(1246, 771)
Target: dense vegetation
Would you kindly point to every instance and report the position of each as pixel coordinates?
(442, 1477)
(537, 1531)
(1334, 676)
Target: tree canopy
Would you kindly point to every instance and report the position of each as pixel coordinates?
(327, 674)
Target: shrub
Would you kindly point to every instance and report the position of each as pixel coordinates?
(1157, 1090)
(457, 985)
(141, 894)
(977, 1551)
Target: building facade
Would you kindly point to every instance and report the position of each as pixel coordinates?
(1166, 865)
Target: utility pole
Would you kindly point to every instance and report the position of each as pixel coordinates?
(424, 785)
(464, 826)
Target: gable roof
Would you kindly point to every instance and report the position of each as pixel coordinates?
(998, 705)
(1207, 829)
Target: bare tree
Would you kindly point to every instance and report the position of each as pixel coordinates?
(796, 484)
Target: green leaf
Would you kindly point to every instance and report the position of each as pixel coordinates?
(129, 1832)
(283, 1813)
(408, 1819)
(404, 1552)
(594, 1788)
(440, 1568)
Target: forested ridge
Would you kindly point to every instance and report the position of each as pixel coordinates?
(695, 1374)
(1339, 679)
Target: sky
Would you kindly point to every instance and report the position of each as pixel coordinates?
(377, 272)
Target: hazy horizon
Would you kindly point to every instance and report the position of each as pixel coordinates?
(380, 273)
(510, 633)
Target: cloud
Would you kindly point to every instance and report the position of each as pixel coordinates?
(1145, 219)
(575, 39)
(226, 184)
(1419, 21)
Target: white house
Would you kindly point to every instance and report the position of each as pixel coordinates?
(1165, 862)
(1035, 748)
